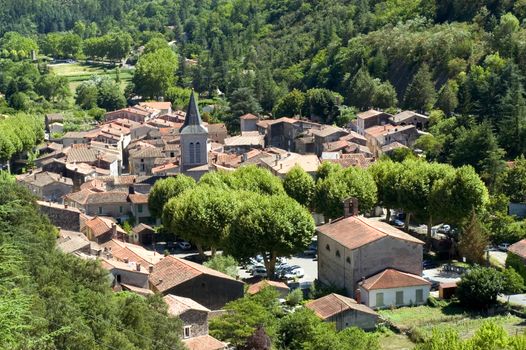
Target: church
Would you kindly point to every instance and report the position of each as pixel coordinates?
(195, 144)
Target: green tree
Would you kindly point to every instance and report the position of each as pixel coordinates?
(480, 286)
(290, 105)
(386, 175)
(242, 101)
(384, 95)
(514, 182)
(342, 184)
(165, 189)
(272, 226)
(421, 94)
(362, 89)
(202, 215)
(473, 241)
(155, 73)
(223, 263)
(447, 97)
(299, 185)
(322, 104)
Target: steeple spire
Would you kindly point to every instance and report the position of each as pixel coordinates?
(193, 118)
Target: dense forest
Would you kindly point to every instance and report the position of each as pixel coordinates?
(50, 300)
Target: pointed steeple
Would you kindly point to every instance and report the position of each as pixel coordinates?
(192, 123)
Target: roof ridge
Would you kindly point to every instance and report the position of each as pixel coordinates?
(379, 276)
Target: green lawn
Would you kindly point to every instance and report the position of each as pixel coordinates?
(422, 320)
(78, 72)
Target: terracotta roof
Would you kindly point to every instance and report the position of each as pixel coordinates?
(352, 159)
(146, 152)
(133, 110)
(138, 198)
(356, 231)
(82, 154)
(132, 252)
(327, 130)
(157, 105)
(369, 114)
(142, 227)
(406, 115)
(90, 196)
(392, 146)
(334, 304)
(172, 271)
(246, 139)
(137, 290)
(179, 305)
(110, 264)
(266, 122)
(71, 241)
(379, 130)
(44, 178)
(391, 278)
(74, 135)
(519, 248)
(249, 116)
(100, 225)
(257, 287)
(335, 146)
(204, 342)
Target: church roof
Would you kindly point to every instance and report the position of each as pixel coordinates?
(193, 123)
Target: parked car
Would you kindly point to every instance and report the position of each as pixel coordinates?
(184, 245)
(504, 247)
(259, 272)
(398, 223)
(444, 229)
(312, 249)
(297, 272)
(429, 264)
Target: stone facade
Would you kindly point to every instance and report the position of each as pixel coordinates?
(343, 268)
(61, 216)
(197, 320)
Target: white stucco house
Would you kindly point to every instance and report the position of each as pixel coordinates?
(393, 288)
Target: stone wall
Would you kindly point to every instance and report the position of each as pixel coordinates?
(64, 217)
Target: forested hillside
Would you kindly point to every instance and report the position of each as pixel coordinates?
(50, 300)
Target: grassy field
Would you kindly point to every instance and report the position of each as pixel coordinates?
(423, 319)
(78, 72)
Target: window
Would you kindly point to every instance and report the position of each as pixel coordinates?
(172, 154)
(118, 278)
(338, 253)
(328, 248)
(120, 209)
(379, 299)
(198, 152)
(348, 260)
(192, 153)
(186, 333)
(139, 208)
(100, 210)
(419, 296)
(400, 297)
(142, 167)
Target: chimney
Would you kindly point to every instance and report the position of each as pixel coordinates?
(113, 230)
(125, 260)
(65, 206)
(138, 265)
(150, 268)
(350, 207)
(131, 189)
(357, 296)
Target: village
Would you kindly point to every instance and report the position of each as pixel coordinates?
(94, 186)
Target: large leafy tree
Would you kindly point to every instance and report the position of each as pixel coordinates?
(480, 286)
(421, 94)
(514, 181)
(299, 185)
(387, 176)
(290, 105)
(272, 226)
(341, 184)
(155, 73)
(473, 240)
(202, 215)
(165, 189)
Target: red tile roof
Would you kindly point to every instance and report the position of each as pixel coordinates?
(334, 304)
(356, 231)
(519, 248)
(172, 271)
(99, 226)
(369, 114)
(257, 287)
(249, 116)
(178, 305)
(138, 198)
(391, 278)
(204, 342)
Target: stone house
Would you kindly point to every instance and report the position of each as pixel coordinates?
(136, 113)
(193, 315)
(326, 134)
(353, 248)
(46, 185)
(72, 242)
(127, 272)
(52, 118)
(248, 122)
(245, 142)
(142, 159)
(280, 287)
(74, 138)
(217, 132)
(142, 234)
(163, 107)
(63, 216)
(381, 135)
(280, 164)
(420, 121)
(344, 312)
(101, 230)
(391, 288)
(370, 118)
(208, 287)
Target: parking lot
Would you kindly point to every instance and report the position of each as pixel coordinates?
(308, 264)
